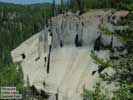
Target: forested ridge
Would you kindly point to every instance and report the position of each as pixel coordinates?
(19, 22)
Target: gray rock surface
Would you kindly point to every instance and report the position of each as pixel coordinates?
(67, 67)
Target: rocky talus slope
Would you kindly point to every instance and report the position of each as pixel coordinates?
(57, 59)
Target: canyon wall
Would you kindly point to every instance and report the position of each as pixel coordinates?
(57, 59)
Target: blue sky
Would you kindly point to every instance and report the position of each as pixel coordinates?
(27, 1)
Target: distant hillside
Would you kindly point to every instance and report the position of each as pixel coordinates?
(36, 4)
(41, 4)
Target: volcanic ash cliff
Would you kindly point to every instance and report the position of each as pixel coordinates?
(57, 60)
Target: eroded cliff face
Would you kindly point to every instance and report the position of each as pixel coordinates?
(57, 59)
(66, 26)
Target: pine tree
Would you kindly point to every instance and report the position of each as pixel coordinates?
(53, 8)
(28, 90)
(62, 5)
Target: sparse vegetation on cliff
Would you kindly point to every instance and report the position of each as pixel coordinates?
(19, 22)
(123, 65)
